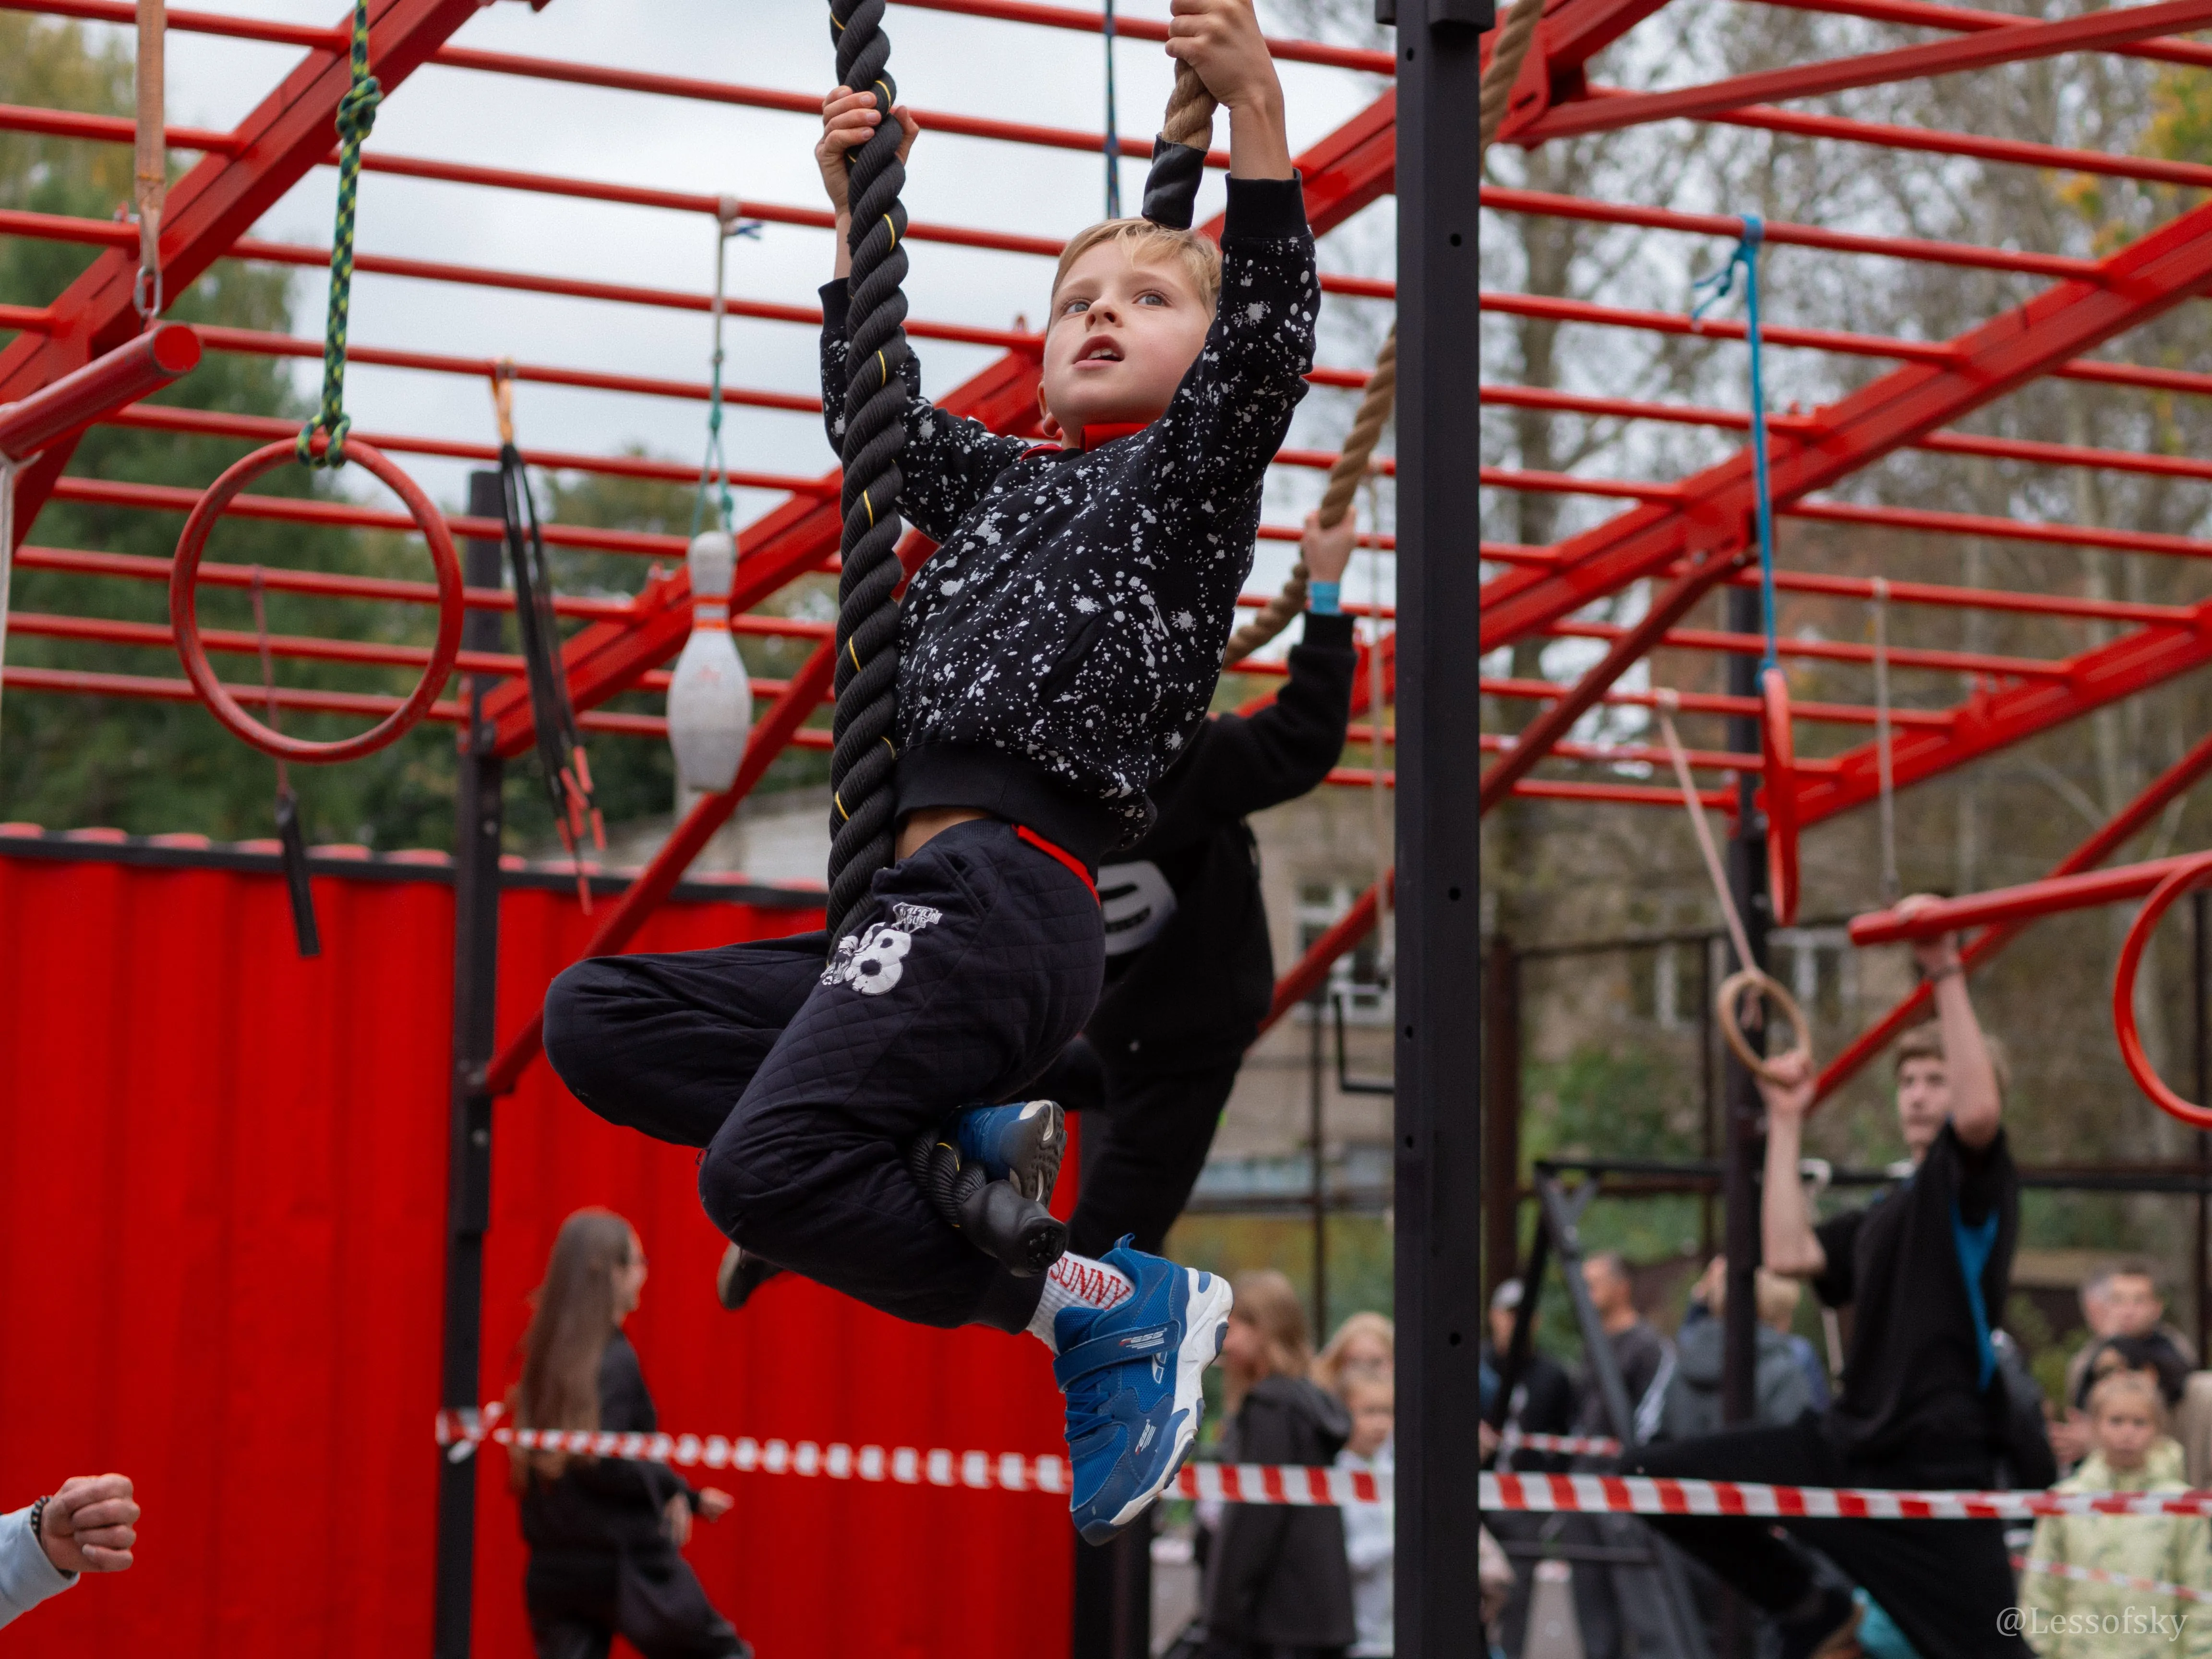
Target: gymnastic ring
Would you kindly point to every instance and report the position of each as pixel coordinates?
(1732, 989)
(2193, 874)
(1779, 795)
(184, 576)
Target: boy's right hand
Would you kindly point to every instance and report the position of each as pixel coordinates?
(849, 120)
(1789, 1094)
(1328, 551)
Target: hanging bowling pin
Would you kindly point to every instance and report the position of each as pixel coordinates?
(710, 701)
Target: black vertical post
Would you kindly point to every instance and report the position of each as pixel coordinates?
(1740, 1091)
(1439, 1138)
(1708, 1104)
(1317, 1192)
(1501, 1115)
(1113, 1594)
(477, 825)
(2200, 984)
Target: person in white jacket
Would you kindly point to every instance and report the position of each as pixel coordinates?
(89, 1526)
(1370, 1528)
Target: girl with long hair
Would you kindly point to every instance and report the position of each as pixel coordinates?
(604, 1533)
(1277, 1584)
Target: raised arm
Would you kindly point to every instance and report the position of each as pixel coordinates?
(948, 463)
(1977, 1107)
(1788, 1244)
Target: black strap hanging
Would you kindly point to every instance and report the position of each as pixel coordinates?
(568, 775)
(292, 843)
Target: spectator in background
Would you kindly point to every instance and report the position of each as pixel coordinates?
(1370, 1529)
(1365, 1348)
(1543, 1398)
(604, 1533)
(90, 1525)
(2120, 1301)
(1645, 1359)
(1278, 1583)
(1692, 1403)
(2067, 1619)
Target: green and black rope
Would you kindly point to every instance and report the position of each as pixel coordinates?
(862, 761)
(356, 116)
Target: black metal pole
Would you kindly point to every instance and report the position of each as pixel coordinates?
(1317, 1192)
(2200, 984)
(1740, 1091)
(1708, 1104)
(1438, 1138)
(1501, 1115)
(477, 826)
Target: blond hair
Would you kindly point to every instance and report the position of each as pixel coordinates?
(1328, 1369)
(1267, 1301)
(2141, 1384)
(1141, 240)
(1926, 1041)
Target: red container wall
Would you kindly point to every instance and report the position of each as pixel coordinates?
(223, 1180)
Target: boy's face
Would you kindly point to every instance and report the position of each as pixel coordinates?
(1122, 335)
(1372, 1414)
(2123, 1431)
(2132, 1306)
(1923, 1102)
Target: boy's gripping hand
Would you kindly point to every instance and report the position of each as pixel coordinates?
(1221, 39)
(1325, 552)
(849, 120)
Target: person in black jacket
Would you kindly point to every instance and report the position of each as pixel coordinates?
(604, 1533)
(1189, 970)
(1278, 1582)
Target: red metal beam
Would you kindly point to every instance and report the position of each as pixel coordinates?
(1719, 703)
(2052, 896)
(2141, 281)
(1915, 14)
(1147, 28)
(2094, 32)
(216, 203)
(2168, 786)
(65, 407)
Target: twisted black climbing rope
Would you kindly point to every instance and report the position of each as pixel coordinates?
(860, 764)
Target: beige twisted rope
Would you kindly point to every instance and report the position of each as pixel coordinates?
(1190, 111)
(1505, 61)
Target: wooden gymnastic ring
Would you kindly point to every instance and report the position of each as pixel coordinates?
(2193, 874)
(1732, 989)
(1777, 796)
(183, 621)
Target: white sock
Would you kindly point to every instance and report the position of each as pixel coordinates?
(1077, 1281)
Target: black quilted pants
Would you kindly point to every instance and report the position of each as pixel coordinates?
(975, 962)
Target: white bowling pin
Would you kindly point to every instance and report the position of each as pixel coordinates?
(710, 701)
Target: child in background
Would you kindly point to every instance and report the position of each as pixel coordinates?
(1371, 1530)
(1364, 1349)
(2067, 1619)
(1278, 1585)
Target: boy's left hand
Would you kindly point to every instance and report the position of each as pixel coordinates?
(1327, 552)
(1221, 39)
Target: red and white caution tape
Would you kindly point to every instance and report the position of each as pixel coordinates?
(1632, 1494)
(2104, 1576)
(1572, 1445)
(461, 1434)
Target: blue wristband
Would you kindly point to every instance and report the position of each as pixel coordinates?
(1325, 599)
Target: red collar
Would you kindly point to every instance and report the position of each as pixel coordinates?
(1092, 436)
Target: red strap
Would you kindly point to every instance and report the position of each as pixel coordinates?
(1060, 853)
(1107, 431)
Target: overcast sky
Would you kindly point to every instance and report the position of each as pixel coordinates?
(941, 62)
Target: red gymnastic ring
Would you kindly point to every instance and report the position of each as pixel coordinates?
(184, 576)
(2193, 874)
(1779, 796)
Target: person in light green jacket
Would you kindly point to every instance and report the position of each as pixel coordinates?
(2066, 1617)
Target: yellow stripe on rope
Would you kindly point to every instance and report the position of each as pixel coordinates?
(853, 650)
(840, 801)
(894, 231)
(870, 506)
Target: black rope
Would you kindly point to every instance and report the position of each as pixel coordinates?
(860, 764)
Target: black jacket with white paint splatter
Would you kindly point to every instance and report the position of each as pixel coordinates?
(1062, 645)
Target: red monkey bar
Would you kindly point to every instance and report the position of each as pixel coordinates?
(99, 389)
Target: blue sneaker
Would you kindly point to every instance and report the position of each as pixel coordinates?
(1021, 1144)
(1131, 1375)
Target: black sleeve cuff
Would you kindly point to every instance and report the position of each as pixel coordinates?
(1265, 209)
(836, 303)
(1328, 633)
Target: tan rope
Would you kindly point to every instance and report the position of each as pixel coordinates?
(151, 165)
(1505, 60)
(1190, 111)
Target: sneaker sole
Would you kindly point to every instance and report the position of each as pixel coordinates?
(1206, 1326)
(1038, 1169)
